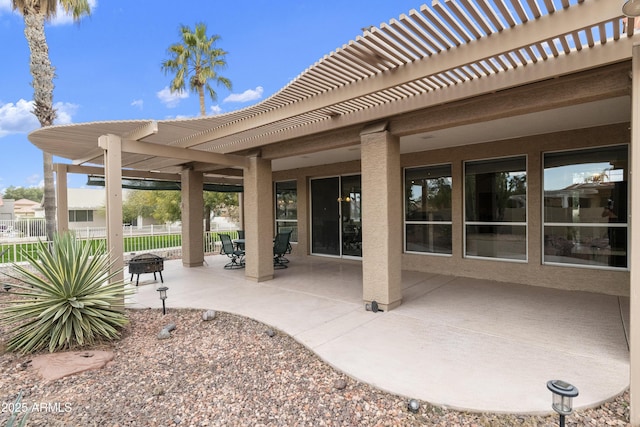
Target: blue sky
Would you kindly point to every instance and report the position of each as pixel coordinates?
(108, 66)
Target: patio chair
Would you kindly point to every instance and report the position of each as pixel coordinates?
(240, 236)
(236, 256)
(280, 249)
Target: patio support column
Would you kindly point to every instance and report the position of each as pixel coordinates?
(112, 146)
(258, 220)
(192, 225)
(62, 200)
(634, 244)
(381, 217)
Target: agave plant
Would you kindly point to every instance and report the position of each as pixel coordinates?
(65, 298)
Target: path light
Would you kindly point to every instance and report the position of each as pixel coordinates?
(413, 406)
(563, 394)
(631, 8)
(372, 306)
(163, 296)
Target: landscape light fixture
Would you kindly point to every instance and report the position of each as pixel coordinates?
(372, 306)
(163, 296)
(631, 8)
(413, 406)
(563, 394)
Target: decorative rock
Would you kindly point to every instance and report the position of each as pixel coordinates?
(157, 391)
(209, 315)
(164, 334)
(170, 327)
(340, 384)
(271, 332)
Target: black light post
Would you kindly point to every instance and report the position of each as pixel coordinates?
(563, 394)
(163, 296)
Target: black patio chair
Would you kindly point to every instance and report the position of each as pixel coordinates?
(236, 256)
(280, 245)
(240, 236)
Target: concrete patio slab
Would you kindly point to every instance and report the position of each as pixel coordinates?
(463, 343)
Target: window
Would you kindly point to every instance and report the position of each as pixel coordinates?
(81, 216)
(585, 207)
(496, 208)
(286, 206)
(428, 209)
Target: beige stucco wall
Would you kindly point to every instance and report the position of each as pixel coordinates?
(532, 272)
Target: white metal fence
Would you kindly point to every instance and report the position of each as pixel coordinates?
(165, 241)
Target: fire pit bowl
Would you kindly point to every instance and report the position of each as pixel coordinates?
(146, 263)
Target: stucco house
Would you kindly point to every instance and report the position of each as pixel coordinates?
(489, 140)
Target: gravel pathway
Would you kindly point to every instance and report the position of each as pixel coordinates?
(230, 371)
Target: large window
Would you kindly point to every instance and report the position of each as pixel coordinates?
(287, 208)
(428, 209)
(81, 216)
(496, 208)
(585, 207)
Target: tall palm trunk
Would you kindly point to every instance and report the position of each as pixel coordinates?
(43, 74)
(203, 112)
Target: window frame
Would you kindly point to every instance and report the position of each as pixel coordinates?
(524, 224)
(277, 222)
(425, 222)
(586, 225)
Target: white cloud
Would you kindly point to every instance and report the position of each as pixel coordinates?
(215, 109)
(138, 103)
(64, 111)
(34, 180)
(171, 99)
(18, 118)
(246, 96)
(5, 6)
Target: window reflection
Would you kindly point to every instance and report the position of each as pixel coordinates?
(428, 209)
(496, 208)
(583, 190)
(286, 195)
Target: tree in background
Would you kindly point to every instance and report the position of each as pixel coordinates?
(138, 203)
(217, 202)
(197, 59)
(35, 13)
(164, 206)
(31, 193)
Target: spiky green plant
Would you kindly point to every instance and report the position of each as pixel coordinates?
(66, 299)
(15, 420)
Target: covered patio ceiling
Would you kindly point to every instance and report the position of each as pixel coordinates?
(446, 52)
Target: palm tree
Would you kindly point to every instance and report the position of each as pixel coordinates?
(35, 13)
(197, 58)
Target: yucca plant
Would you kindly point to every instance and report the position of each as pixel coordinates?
(65, 298)
(15, 420)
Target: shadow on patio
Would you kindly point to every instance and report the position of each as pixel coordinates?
(463, 343)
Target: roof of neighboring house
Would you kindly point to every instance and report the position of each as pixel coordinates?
(86, 198)
(25, 207)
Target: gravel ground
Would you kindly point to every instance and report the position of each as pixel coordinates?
(230, 371)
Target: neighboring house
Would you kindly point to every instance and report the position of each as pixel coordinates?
(25, 208)
(6, 209)
(86, 207)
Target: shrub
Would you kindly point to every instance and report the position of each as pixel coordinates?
(65, 298)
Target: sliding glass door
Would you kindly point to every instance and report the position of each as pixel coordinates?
(336, 220)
